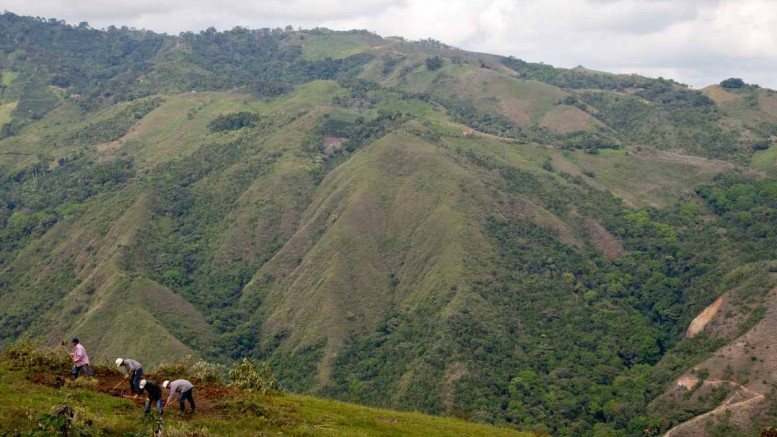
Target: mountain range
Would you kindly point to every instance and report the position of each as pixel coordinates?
(398, 223)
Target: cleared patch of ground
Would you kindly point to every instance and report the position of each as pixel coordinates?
(641, 177)
(767, 101)
(739, 408)
(719, 94)
(5, 112)
(567, 119)
(332, 144)
(745, 368)
(753, 356)
(603, 240)
(318, 47)
(454, 372)
(765, 160)
(700, 322)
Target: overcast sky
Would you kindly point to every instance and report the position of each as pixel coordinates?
(698, 42)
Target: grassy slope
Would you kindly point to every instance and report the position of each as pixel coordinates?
(5, 112)
(526, 103)
(122, 313)
(237, 414)
(749, 110)
(366, 227)
(335, 46)
(765, 160)
(119, 314)
(656, 179)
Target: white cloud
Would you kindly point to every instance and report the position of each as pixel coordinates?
(693, 41)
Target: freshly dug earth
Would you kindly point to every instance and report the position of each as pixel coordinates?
(206, 396)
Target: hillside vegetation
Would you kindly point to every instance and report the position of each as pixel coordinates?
(399, 224)
(34, 390)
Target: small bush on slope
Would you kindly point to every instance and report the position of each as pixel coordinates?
(249, 375)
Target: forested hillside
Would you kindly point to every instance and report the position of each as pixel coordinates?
(400, 224)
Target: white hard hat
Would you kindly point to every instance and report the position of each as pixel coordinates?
(142, 384)
(119, 361)
(164, 384)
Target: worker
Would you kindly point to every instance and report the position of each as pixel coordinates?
(154, 395)
(134, 372)
(184, 389)
(80, 359)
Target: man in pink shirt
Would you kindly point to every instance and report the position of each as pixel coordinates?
(80, 359)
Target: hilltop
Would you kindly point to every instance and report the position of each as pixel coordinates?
(401, 224)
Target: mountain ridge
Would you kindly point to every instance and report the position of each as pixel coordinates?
(400, 223)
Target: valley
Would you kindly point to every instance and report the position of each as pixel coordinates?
(401, 224)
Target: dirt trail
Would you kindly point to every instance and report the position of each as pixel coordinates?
(728, 404)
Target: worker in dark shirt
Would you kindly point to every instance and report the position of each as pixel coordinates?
(154, 395)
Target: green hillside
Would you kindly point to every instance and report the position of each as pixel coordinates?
(35, 391)
(399, 224)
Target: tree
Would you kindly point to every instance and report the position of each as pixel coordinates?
(733, 83)
(434, 63)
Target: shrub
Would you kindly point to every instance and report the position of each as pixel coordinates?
(58, 422)
(201, 370)
(209, 372)
(434, 63)
(733, 83)
(176, 370)
(250, 375)
(25, 354)
(234, 121)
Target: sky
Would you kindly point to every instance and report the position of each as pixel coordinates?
(697, 42)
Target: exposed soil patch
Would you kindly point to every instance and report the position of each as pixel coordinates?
(511, 111)
(632, 90)
(740, 408)
(746, 366)
(768, 103)
(454, 372)
(753, 356)
(700, 322)
(687, 381)
(332, 144)
(49, 380)
(603, 240)
(109, 147)
(207, 396)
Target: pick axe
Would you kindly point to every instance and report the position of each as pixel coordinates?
(64, 347)
(120, 382)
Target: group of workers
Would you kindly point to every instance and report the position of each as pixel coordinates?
(134, 373)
